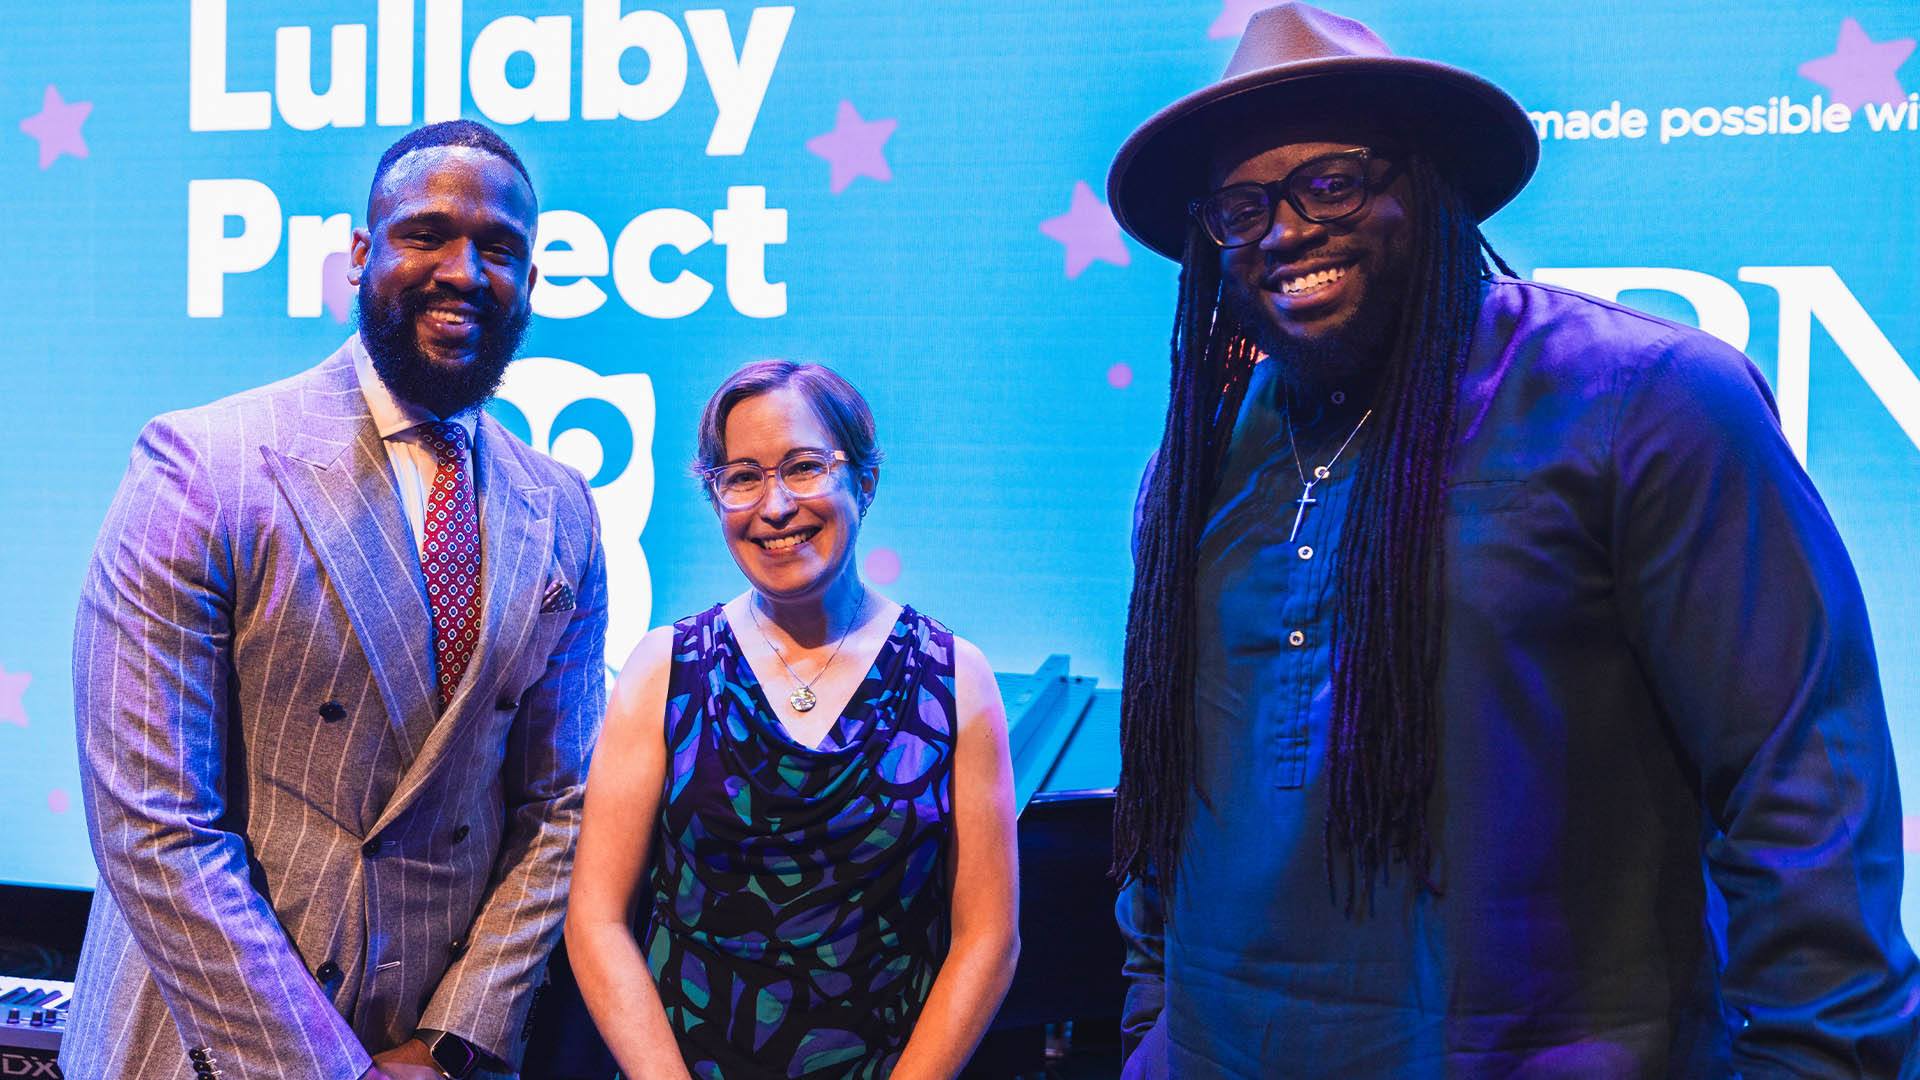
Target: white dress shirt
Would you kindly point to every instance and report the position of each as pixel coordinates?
(398, 423)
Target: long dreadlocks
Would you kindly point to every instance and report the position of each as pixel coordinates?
(1385, 729)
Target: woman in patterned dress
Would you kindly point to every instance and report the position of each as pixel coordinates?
(797, 853)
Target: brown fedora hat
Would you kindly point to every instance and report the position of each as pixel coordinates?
(1475, 133)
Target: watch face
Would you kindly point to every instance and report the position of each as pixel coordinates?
(453, 1054)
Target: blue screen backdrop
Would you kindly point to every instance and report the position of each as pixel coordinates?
(912, 193)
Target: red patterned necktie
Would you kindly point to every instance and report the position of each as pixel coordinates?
(450, 555)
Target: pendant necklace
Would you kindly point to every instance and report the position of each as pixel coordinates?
(803, 699)
(1320, 472)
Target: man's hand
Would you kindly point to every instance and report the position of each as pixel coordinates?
(409, 1061)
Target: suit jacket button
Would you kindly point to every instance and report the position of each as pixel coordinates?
(458, 946)
(370, 848)
(333, 712)
(327, 972)
(460, 833)
(198, 1053)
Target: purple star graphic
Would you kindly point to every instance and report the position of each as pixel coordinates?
(853, 147)
(57, 126)
(335, 291)
(12, 688)
(1089, 232)
(1232, 21)
(1860, 70)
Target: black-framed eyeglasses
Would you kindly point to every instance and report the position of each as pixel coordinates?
(1324, 190)
(803, 474)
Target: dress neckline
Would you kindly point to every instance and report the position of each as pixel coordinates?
(840, 738)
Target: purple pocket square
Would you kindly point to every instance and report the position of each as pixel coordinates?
(559, 597)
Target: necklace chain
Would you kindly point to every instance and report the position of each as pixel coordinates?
(1320, 472)
(803, 699)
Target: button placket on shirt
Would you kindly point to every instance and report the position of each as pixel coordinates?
(1306, 620)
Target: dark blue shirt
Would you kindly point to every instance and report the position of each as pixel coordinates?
(1659, 698)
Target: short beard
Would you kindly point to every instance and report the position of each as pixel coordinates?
(389, 333)
(1354, 356)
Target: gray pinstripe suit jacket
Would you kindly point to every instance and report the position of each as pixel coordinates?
(302, 857)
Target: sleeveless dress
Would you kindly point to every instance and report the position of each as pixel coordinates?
(799, 909)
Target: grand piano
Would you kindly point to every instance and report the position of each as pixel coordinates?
(1063, 732)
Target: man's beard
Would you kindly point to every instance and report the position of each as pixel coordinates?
(1354, 354)
(389, 333)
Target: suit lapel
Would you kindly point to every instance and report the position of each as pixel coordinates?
(335, 475)
(516, 552)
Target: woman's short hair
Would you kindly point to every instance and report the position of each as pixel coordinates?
(834, 400)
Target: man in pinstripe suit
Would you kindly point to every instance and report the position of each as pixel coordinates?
(338, 668)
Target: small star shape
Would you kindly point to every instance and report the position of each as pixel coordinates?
(1232, 20)
(57, 127)
(1860, 70)
(1088, 231)
(854, 147)
(12, 688)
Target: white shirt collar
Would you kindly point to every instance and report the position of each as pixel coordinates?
(391, 416)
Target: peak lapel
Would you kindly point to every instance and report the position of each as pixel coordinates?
(334, 474)
(516, 552)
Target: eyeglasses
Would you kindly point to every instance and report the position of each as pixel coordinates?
(803, 474)
(1326, 189)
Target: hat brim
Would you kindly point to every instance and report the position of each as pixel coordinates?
(1476, 134)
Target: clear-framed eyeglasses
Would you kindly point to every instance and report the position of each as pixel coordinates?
(1324, 190)
(803, 474)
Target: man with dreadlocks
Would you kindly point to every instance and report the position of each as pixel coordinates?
(1499, 696)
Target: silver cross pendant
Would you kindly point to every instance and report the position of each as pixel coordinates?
(1305, 500)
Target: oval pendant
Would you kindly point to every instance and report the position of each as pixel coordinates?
(802, 699)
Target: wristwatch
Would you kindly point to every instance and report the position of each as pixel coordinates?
(454, 1056)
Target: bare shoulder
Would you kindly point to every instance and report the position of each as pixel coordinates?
(640, 693)
(976, 692)
(969, 661)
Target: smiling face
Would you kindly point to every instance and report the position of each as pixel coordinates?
(791, 549)
(445, 269)
(1325, 295)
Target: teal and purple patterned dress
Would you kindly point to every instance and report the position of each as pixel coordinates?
(800, 895)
